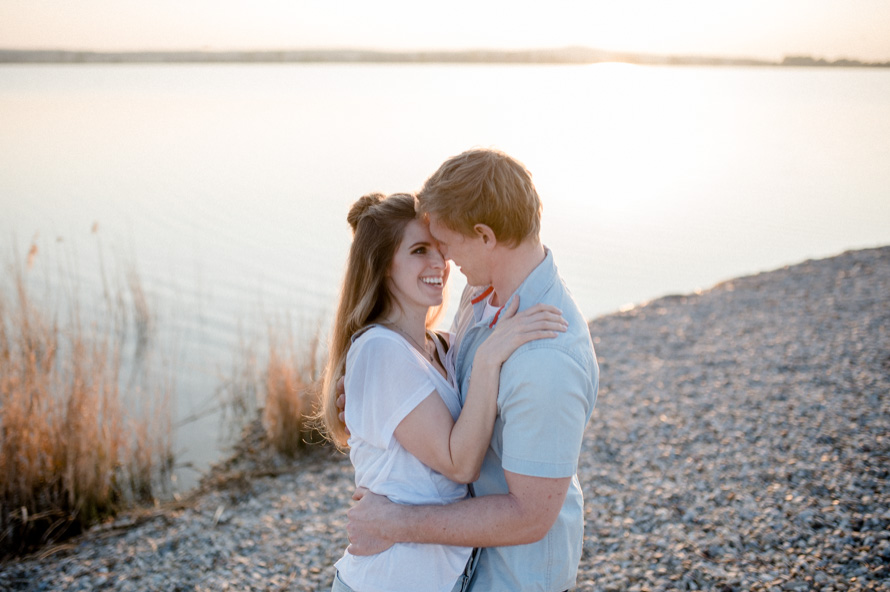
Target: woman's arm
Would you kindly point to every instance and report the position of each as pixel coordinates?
(457, 448)
(454, 448)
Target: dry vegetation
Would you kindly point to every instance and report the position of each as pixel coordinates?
(280, 388)
(86, 419)
(74, 447)
(292, 388)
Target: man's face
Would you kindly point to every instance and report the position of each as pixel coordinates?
(466, 252)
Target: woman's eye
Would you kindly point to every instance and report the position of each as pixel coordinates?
(419, 250)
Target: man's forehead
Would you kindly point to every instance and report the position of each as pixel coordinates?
(439, 230)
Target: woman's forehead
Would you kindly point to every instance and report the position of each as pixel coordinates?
(417, 232)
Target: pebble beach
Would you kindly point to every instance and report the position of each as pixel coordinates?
(740, 442)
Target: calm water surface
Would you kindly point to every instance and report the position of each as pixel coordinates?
(226, 186)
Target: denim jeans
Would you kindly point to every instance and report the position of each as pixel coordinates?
(339, 585)
(461, 585)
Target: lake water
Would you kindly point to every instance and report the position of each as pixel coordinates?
(226, 186)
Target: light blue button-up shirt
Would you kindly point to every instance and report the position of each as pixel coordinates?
(547, 393)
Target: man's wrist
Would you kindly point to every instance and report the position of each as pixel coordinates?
(402, 523)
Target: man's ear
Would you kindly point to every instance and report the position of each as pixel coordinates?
(487, 235)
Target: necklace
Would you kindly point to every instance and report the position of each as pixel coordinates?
(424, 349)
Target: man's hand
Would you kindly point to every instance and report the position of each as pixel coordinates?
(367, 522)
(340, 389)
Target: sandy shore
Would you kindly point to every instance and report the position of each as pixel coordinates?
(741, 441)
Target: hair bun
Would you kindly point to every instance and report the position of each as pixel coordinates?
(360, 207)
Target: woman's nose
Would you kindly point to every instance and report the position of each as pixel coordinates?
(437, 259)
(443, 251)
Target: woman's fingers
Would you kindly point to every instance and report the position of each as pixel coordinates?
(511, 308)
(550, 315)
(550, 321)
(543, 307)
(514, 328)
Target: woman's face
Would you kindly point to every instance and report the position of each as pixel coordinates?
(418, 273)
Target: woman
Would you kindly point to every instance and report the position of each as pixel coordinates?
(408, 436)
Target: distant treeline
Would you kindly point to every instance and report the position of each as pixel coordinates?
(570, 55)
(821, 63)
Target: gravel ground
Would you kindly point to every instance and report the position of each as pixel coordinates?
(740, 442)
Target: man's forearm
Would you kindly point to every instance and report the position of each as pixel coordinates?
(488, 521)
(522, 516)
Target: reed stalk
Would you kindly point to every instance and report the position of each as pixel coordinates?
(291, 393)
(70, 451)
(278, 386)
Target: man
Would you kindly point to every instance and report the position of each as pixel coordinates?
(527, 514)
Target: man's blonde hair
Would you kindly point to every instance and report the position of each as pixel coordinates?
(484, 186)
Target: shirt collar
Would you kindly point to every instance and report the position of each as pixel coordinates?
(530, 291)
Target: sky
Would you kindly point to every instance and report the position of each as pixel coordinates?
(764, 29)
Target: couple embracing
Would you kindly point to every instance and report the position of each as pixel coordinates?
(465, 444)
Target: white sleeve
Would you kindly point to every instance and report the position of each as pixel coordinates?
(384, 383)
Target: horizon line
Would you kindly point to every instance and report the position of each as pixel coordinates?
(564, 54)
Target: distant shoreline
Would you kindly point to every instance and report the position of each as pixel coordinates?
(571, 55)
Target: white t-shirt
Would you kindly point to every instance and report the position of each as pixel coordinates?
(386, 378)
(489, 311)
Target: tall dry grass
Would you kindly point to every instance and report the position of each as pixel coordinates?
(292, 389)
(72, 451)
(281, 386)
